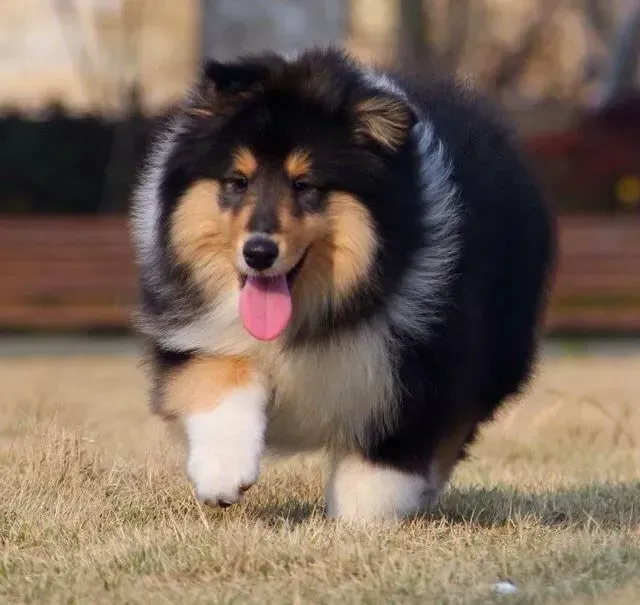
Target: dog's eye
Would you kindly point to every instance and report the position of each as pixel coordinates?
(307, 195)
(300, 186)
(237, 183)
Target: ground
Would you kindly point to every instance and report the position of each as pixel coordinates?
(95, 508)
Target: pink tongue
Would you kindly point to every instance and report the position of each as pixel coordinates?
(265, 306)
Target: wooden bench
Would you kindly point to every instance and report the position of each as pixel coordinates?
(66, 273)
(597, 285)
(78, 274)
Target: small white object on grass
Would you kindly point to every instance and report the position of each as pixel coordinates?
(504, 587)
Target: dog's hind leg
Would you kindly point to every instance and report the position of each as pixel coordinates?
(359, 489)
(391, 488)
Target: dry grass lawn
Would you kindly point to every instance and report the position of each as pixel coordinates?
(94, 507)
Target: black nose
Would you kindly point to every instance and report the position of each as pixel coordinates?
(260, 252)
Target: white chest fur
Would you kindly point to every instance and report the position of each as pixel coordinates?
(326, 394)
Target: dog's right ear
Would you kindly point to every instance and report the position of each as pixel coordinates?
(384, 119)
(223, 83)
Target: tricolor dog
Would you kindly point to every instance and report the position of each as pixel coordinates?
(336, 258)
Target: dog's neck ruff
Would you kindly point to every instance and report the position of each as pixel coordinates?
(417, 305)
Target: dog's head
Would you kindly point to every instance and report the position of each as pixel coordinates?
(269, 187)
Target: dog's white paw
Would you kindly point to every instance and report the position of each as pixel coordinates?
(359, 490)
(225, 446)
(221, 476)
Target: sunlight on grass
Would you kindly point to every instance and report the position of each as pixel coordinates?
(95, 508)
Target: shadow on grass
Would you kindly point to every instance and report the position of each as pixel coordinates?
(605, 506)
(289, 512)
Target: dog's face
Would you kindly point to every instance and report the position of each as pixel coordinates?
(268, 185)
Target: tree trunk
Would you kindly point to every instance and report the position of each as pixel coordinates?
(620, 80)
(233, 27)
(412, 34)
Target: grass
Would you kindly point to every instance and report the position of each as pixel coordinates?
(94, 506)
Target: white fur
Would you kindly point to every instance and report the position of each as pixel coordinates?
(327, 394)
(330, 394)
(225, 444)
(423, 293)
(382, 82)
(291, 56)
(417, 305)
(362, 491)
(217, 331)
(145, 214)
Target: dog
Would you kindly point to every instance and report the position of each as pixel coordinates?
(342, 258)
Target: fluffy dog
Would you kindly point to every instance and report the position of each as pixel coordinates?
(335, 257)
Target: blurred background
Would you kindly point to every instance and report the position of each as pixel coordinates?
(84, 82)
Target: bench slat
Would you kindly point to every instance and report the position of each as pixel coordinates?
(78, 273)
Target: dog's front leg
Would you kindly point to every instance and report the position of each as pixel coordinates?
(220, 403)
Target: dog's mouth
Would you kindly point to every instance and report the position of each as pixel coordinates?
(289, 275)
(265, 303)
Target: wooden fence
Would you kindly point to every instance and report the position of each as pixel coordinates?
(78, 274)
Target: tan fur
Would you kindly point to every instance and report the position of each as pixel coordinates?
(297, 234)
(353, 241)
(297, 164)
(294, 235)
(202, 101)
(200, 112)
(340, 259)
(447, 455)
(341, 244)
(202, 382)
(245, 162)
(204, 237)
(207, 101)
(384, 119)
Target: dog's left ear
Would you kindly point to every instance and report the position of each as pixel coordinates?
(222, 85)
(385, 119)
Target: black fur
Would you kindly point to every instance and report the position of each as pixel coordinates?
(484, 350)
(482, 347)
